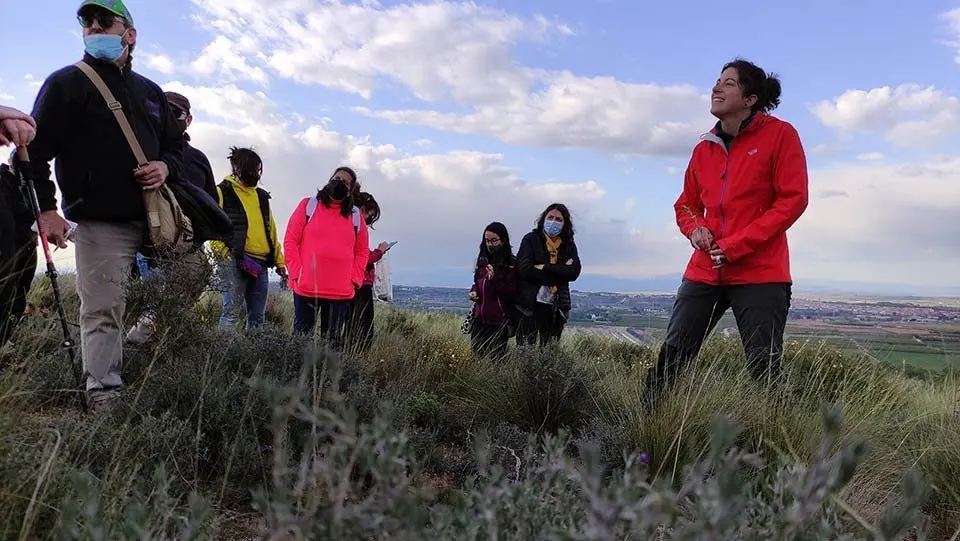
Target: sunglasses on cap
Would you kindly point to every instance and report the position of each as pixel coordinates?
(104, 18)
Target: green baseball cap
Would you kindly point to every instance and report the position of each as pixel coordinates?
(113, 6)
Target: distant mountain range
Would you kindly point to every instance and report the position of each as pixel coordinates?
(460, 278)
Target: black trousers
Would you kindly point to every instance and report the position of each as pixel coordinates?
(489, 340)
(334, 318)
(18, 259)
(361, 324)
(544, 326)
(761, 314)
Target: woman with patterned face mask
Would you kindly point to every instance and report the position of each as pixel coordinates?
(326, 250)
(547, 261)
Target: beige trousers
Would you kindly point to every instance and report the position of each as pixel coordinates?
(105, 253)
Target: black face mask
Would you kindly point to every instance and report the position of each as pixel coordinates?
(249, 179)
(492, 250)
(338, 189)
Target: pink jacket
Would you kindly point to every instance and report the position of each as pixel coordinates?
(325, 258)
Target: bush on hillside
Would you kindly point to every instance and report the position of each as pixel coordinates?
(419, 439)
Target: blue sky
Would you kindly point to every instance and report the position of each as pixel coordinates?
(523, 103)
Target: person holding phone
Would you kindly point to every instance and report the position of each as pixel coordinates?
(493, 293)
(361, 328)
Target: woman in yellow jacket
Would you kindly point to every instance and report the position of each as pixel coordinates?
(253, 250)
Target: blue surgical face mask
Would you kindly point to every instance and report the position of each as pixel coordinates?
(552, 228)
(108, 47)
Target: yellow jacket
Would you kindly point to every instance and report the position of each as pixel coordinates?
(256, 243)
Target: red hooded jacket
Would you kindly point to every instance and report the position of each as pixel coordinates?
(747, 196)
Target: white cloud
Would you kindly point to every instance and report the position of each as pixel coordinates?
(952, 18)
(884, 222)
(6, 97)
(908, 115)
(452, 52)
(869, 156)
(159, 62)
(436, 205)
(572, 111)
(223, 57)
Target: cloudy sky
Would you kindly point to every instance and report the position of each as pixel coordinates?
(456, 114)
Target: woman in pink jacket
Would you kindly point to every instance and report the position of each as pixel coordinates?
(326, 252)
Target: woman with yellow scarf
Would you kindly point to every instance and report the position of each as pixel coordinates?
(547, 261)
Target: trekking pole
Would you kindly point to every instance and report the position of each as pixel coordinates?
(68, 344)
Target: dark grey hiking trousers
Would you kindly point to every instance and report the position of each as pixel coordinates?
(761, 314)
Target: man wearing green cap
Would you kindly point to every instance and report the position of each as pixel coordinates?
(100, 179)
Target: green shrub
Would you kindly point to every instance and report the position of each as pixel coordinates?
(419, 439)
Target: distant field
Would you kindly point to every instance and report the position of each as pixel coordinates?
(928, 346)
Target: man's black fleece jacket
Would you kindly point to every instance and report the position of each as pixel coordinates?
(94, 162)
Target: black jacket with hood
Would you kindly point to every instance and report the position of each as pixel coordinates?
(94, 163)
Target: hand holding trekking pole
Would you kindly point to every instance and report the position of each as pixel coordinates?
(56, 227)
(16, 127)
(22, 167)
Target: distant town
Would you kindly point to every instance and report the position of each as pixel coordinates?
(623, 309)
(924, 332)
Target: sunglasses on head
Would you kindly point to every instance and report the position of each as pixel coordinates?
(104, 19)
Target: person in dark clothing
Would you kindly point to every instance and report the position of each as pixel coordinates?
(196, 166)
(18, 250)
(18, 244)
(746, 184)
(100, 179)
(196, 169)
(493, 293)
(362, 312)
(547, 262)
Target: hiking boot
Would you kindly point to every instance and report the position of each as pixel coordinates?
(102, 399)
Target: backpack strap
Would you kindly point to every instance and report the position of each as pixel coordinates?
(311, 207)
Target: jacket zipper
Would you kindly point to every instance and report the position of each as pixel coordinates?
(723, 189)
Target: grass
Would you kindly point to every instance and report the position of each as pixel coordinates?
(236, 435)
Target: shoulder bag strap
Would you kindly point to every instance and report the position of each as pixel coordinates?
(117, 110)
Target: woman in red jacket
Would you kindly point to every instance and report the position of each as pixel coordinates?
(745, 185)
(326, 252)
(494, 293)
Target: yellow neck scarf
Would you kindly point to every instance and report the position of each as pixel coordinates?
(553, 247)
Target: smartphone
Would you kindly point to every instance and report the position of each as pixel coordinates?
(391, 245)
